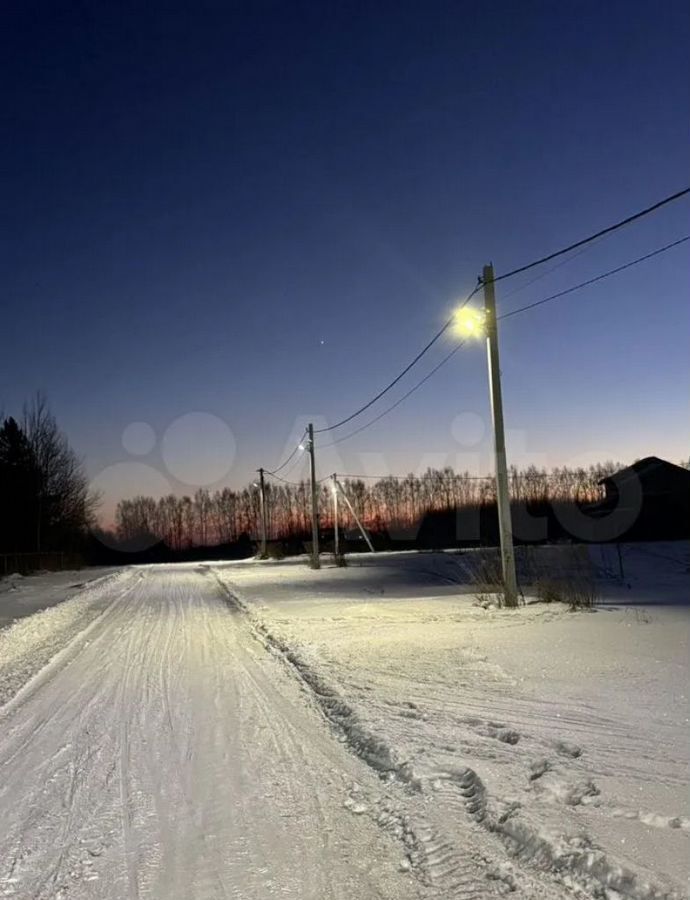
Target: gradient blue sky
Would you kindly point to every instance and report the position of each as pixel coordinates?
(198, 195)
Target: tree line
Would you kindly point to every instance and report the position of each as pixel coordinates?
(46, 504)
(395, 505)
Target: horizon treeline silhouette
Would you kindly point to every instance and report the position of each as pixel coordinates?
(46, 504)
(396, 506)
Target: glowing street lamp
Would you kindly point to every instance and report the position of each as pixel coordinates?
(470, 323)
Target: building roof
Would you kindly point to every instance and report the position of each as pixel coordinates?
(650, 465)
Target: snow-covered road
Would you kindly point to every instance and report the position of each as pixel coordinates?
(164, 753)
(260, 730)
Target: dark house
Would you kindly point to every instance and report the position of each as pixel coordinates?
(649, 499)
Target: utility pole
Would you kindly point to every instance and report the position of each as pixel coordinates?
(262, 493)
(502, 493)
(315, 564)
(361, 527)
(336, 532)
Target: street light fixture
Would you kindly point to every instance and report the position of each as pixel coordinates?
(470, 323)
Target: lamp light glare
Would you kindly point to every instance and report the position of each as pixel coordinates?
(469, 323)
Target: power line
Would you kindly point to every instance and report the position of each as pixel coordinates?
(403, 373)
(447, 357)
(398, 402)
(295, 465)
(378, 477)
(578, 244)
(285, 480)
(593, 237)
(459, 475)
(581, 243)
(589, 281)
(296, 483)
(545, 273)
(462, 476)
(286, 461)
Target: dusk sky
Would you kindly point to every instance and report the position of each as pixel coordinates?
(262, 211)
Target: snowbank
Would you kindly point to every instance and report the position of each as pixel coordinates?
(23, 595)
(33, 642)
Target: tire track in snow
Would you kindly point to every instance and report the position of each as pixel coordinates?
(448, 871)
(287, 745)
(47, 658)
(123, 773)
(177, 760)
(75, 749)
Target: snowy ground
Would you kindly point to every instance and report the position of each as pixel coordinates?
(24, 595)
(260, 730)
(564, 735)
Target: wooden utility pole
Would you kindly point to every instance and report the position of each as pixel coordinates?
(336, 532)
(502, 493)
(314, 501)
(361, 527)
(264, 529)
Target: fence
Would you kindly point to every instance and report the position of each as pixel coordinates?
(24, 563)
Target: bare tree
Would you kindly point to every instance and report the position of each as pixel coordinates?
(64, 506)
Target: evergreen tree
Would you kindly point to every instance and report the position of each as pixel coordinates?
(19, 489)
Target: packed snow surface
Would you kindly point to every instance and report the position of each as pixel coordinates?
(258, 730)
(163, 753)
(23, 595)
